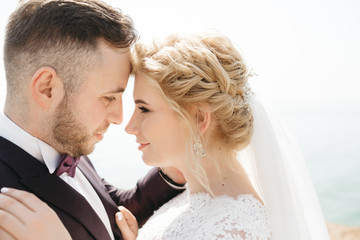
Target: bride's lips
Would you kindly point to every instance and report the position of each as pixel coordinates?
(142, 145)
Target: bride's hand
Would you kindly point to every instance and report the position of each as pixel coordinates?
(24, 216)
(127, 224)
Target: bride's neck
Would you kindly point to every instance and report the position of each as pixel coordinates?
(226, 178)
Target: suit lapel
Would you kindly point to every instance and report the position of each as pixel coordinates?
(109, 204)
(52, 189)
(58, 193)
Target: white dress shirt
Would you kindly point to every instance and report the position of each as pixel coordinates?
(51, 158)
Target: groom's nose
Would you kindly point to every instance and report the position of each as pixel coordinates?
(115, 113)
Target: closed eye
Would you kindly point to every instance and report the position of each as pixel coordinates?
(110, 99)
(143, 109)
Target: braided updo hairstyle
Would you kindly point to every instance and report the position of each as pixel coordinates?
(198, 69)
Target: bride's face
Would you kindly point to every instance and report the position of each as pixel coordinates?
(159, 133)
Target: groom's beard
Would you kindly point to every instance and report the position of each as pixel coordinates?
(69, 134)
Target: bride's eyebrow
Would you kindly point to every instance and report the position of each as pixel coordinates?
(140, 101)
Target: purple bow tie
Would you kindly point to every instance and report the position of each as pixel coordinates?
(67, 164)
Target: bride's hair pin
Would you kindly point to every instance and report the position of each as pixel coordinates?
(248, 94)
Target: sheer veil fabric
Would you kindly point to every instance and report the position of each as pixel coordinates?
(278, 171)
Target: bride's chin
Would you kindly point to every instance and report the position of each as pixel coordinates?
(148, 162)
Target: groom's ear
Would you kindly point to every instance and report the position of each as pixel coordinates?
(46, 87)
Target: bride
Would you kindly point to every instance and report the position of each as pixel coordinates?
(196, 112)
(245, 176)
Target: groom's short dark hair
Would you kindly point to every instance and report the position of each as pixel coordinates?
(61, 34)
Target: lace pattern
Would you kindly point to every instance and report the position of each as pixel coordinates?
(200, 216)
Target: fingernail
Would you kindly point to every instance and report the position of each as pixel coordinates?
(4, 190)
(119, 216)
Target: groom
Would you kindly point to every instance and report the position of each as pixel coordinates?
(67, 65)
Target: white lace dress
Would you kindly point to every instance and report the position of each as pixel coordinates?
(200, 216)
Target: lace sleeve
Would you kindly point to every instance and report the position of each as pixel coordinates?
(245, 219)
(235, 234)
(201, 217)
(241, 235)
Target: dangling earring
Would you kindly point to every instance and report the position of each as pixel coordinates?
(198, 148)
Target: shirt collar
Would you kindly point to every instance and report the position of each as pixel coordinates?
(32, 145)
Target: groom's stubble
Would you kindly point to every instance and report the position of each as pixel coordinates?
(69, 135)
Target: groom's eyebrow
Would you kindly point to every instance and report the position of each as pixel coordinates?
(119, 90)
(140, 101)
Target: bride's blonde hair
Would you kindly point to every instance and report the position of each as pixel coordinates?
(193, 70)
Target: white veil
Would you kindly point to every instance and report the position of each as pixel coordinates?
(279, 173)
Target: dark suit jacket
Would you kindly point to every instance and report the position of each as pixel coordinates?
(20, 170)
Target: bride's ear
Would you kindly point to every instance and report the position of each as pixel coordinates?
(203, 118)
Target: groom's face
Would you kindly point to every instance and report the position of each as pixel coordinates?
(81, 121)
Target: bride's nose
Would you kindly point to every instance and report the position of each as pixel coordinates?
(131, 127)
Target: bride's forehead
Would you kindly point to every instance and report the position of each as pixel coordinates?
(142, 84)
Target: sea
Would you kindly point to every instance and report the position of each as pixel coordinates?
(329, 139)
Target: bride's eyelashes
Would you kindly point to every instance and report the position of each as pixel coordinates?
(143, 109)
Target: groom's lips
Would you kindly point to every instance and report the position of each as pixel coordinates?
(99, 136)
